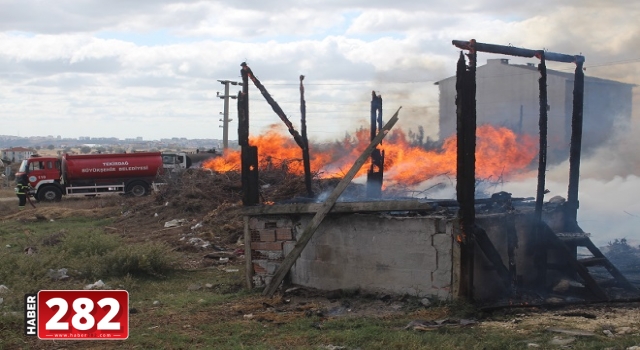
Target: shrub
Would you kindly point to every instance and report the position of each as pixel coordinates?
(95, 255)
(147, 259)
(86, 244)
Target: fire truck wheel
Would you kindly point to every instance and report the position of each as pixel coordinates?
(49, 194)
(138, 189)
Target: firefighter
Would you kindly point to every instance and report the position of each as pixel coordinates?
(22, 191)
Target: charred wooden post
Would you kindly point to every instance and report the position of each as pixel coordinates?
(540, 257)
(250, 167)
(248, 262)
(243, 118)
(375, 174)
(376, 114)
(274, 105)
(305, 150)
(249, 154)
(541, 239)
(512, 245)
(576, 147)
(465, 186)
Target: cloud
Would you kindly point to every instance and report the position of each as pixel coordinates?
(147, 58)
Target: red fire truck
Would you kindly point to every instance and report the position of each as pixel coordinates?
(96, 174)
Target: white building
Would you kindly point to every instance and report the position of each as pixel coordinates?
(16, 154)
(508, 95)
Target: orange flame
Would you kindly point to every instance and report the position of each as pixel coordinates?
(499, 152)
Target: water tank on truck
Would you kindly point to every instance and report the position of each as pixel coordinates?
(131, 172)
(92, 174)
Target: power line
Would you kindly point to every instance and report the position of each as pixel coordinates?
(614, 63)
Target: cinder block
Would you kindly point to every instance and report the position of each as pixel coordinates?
(442, 241)
(283, 222)
(256, 224)
(267, 235)
(266, 245)
(262, 263)
(297, 230)
(441, 278)
(259, 269)
(441, 226)
(272, 267)
(258, 281)
(273, 255)
(288, 246)
(284, 234)
(255, 235)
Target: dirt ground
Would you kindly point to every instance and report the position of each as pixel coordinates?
(206, 209)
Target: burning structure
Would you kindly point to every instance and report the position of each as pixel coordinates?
(479, 249)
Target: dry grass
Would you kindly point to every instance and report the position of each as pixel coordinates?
(85, 207)
(7, 192)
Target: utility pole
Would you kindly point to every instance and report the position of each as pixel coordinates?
(225, 115)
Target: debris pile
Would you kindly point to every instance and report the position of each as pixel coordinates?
(204, 205)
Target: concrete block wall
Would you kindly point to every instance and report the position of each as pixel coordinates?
(371, 252)
(376, 252)
(270, 237)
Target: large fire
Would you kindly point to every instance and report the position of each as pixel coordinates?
(499, 152)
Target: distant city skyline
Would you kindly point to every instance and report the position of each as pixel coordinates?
(89, 138)
(35, 142)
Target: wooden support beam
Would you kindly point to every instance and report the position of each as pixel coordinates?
(582, 271)
(306, 159)
(490, 251)
(540, 255)
(250, 185)
(466, 167)
(308, 232)
(516, 51)
(575, 148)
(247, 254)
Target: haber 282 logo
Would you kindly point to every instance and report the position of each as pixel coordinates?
(77, 314)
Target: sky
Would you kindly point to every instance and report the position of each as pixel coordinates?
(151, 68)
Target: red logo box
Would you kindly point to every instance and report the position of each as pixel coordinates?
(83, 314)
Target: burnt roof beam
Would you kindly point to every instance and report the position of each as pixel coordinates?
(274, 105)
(473, 45)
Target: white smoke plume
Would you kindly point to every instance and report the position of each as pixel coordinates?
(608, 191)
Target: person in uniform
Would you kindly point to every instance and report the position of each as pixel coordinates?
(22, 191)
